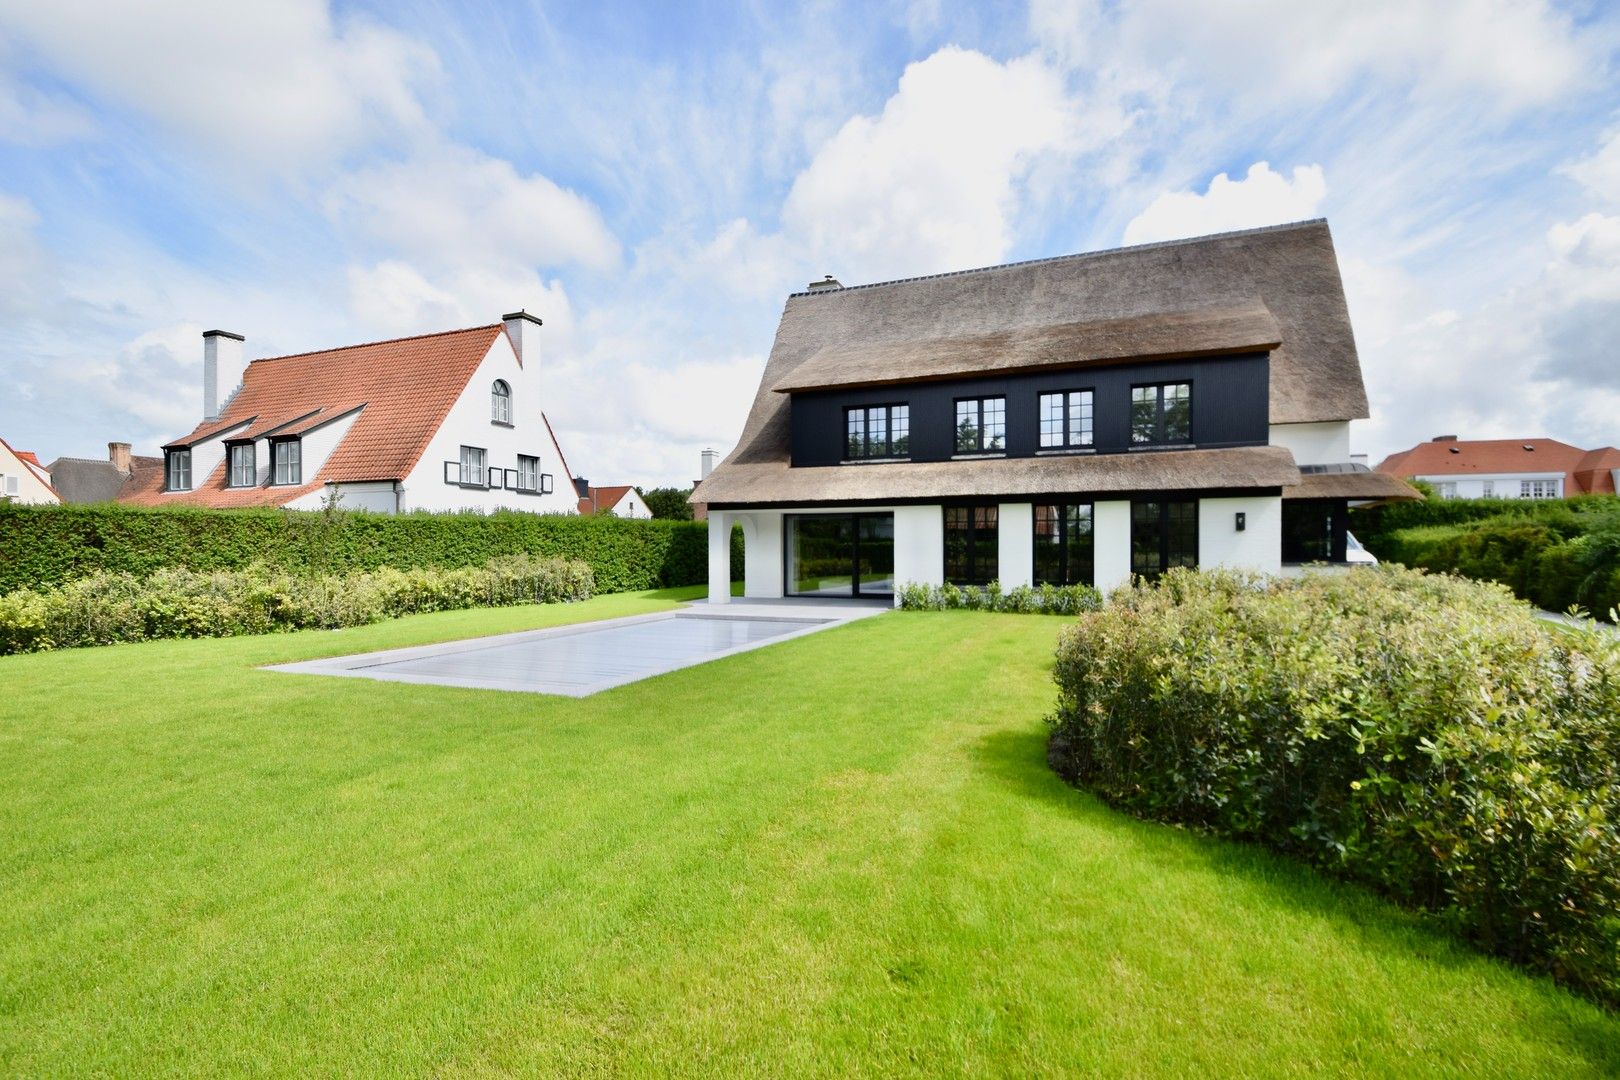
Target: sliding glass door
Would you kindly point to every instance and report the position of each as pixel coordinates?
(840, 555)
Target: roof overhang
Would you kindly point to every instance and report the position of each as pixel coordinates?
(1345, 482)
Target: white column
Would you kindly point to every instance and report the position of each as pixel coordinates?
(1015, 543)
(762, 555)
(1257, 547)
(720, 556)
(919, 546)
(1112, 534)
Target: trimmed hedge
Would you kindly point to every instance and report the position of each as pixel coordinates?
(1422, 734)
(50, 545)
(110, 607)
(1372, 521)
(1021, 599)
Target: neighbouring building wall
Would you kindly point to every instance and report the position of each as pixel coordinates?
(631, 506)
(1257, 547)
(469, 424)
(19, 483)
(1314, 444)
(1498, 486)
(379, 496)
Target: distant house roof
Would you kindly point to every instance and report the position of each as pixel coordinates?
(398, 393)
(97, 480)
(1585, 471)
(1275, 289)
(600, 500)
(30, 462)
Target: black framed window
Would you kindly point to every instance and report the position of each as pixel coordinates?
(981, 425)
(1161, 413)
(877, 431)
(472, 466)
(1064, 544)
(1313, 530)
(500, 402)
(287, 461)
(178, 471)
(1066, 420)
(840, 554)
(1163, 535)
(972, 545)
(243, 471)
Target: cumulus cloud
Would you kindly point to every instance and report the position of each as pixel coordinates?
(269, 85)
(393, 297)
(1262, 197)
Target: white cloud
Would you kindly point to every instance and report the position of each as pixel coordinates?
(31, 117)
(931, 183)
(393, 297)
(452, 205)
(269, 85)
(1600, 173)
(1263, 197)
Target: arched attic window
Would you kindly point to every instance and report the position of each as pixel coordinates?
(500, 402)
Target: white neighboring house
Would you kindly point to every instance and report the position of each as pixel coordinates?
(447, 421)
(1507, 468)
(23, 479)
(1082, 419)
(623, 501)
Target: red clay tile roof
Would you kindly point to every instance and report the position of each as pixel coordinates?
(1585, 471)
(403, 390)
(602, 499)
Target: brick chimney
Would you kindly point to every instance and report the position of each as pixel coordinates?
(118, 454)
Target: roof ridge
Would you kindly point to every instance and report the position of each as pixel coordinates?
(384, 341)
(1257, 230)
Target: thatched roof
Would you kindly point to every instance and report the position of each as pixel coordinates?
(1276, 287)
(1221, 330)
(1173, 470)
(1350, 483)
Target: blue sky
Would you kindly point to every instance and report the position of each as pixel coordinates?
(653, 179)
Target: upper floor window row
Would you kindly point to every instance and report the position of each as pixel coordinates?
(981, 425)
(877, 431)
(1066, 420)
(1161, 413)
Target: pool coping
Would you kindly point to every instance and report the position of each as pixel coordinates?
(366, 665)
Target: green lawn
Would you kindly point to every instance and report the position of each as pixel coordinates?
(842, 854)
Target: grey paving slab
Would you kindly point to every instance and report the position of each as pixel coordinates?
(590, 657)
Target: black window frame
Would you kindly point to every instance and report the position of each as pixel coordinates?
(1333, 530)
(170, 460)
(888, 450)
(978, 404)
(1159, 437)
(973, 514)
(231, 464)
(277, 449)
(1185, 513)
(1060, 516)
(1088, 441)
(500, 399)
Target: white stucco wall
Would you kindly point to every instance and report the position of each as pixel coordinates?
(762, 554)
(468, 424)
(1015, 540)
(31, 490)
(1506, 485)
(1314, 444)
(919, 546)
(1111, 555)
(720, 556)
(631, 506)
(1257, 547)
(379, 496)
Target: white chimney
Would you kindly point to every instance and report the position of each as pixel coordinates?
(524, 330)
(222, 370)
(709, 458)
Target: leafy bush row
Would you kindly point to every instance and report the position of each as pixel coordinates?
(1420, 733)
(117, 606)
(1551, 567)
(49, 545)
(1384, 518)
(1047, 599)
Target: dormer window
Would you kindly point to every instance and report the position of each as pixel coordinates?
(500, 402)
(981, 425)
(1161, 414)
(287, 461)
(178, 473)
(243, 467)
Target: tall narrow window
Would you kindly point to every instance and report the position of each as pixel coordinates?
(179, 471)
(528, 473)
(1161, 413)
(1066, 420)
(877, 431)
(287, 461)
(500, 402)
(971, 545)
(242, 465)
(981, 425)
(1063, 544)
(1163, 535)
(472, 466)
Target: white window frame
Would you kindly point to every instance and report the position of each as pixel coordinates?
(1447, 489)
(500, 402)
(177, 466)
(236, 471)
(474, 460)
(287, 462)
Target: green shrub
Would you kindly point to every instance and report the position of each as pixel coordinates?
(1371, 521)
(50, 545)
(1021, 599)
(1422, 734)
(175, 602)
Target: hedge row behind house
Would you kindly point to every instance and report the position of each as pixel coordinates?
(50, 545)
